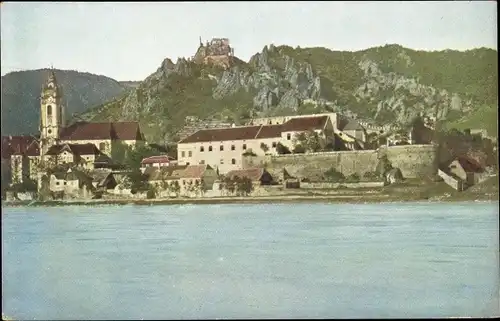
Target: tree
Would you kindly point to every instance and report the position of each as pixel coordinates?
(175, 187)
(244, 186)
(383, 166)
(282, 149)
(299, 149)
(310, 141)
(264, 147)
(333, 175)
(229, 184)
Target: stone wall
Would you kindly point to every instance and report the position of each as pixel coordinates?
(412, 160)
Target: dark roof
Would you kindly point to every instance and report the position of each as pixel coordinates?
(76, 149)
(253, 173)
(254, 132)
(222, 134)
(19, 145)
(305, 123)
(469, 165)
(157, 159)
(270, 131)
(117, 130)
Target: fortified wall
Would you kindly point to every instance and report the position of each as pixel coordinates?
(413, 160)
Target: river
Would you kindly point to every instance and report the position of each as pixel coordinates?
(403, 260)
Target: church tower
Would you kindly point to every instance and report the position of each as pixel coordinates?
(51, 113)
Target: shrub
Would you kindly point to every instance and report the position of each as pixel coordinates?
(282, 149)
(370, 175)
(353, 178)
(249, 153)
(151, 193)
(333, 175)
(299, 149)
(264, 147)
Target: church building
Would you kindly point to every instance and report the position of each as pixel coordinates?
(82, 144)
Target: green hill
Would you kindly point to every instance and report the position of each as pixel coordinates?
(21, 91)
(389, 84)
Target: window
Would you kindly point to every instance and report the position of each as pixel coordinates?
(202, 149)
(209, 148)
(49, 131)
(64, 183)
(183, 154)
(190, 153)
(453, 166)
(232, 147)
(187, 163)
(49, 110)
(222, 161)
(244, 146)
(221, 148)
(288, 136)
(202, 162)
(269, 122)
(102, 146)
(233, 161)
(57, 183)
(275, 144)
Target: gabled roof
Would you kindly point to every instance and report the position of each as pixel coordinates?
(305, 124)
(469, 165)
(75, 149)
(109, 130)
(157, 159)
(19, 145)
(254, 174)
(176, 172)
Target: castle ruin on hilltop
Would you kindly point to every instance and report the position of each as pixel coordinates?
(217, 52)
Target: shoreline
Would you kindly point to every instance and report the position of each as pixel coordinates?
(337, 199)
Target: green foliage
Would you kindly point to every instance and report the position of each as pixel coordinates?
(370, 175)
(310, 141)
(242, 186)
(282, 149)
(249, 153)
(485, 117)
(264, 147)
(332, 175)
(353, 178)
(21, 92)
(151, 193)
(138, 181)
(383, 166)
(299, 149)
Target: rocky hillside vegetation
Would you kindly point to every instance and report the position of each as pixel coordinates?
(21, 96)
(381, 85)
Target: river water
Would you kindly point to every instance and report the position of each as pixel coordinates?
(251, 261)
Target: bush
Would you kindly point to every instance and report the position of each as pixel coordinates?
(370, 175)
(353, 178)
(282, 149)
(333, 175)
(151, 193)
(249, 153)
(299, 149)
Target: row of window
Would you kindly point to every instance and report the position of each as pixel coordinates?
(233, 161)
(221, 148)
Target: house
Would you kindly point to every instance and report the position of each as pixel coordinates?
(188, 179)
(223, 148)
(71, 183)
(466, 169)
(82, 154)
(158, 161)
(258, 176)
(103, 180)
(355, 130)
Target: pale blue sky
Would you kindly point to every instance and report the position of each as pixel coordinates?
(128, 41)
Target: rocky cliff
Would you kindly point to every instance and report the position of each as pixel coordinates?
(380, 85)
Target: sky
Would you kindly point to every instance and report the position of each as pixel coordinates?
(129, 40)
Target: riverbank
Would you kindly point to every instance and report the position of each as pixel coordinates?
(409, 191)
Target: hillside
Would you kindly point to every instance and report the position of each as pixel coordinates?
(21, 92)
(389, 84)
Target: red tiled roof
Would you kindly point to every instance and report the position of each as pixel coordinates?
(157, 159)
(222, 134)
(270, 131)
(469, 165)
(305, 123)
(253, 173)
(194, 171)
(85, 131)
(176, 172)
(18, 145)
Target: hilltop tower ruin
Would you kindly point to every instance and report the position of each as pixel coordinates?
(217, 52)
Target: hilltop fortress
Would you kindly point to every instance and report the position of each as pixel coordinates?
(216, 52)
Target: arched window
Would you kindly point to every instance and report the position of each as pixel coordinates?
(233, 161)
(49, 110)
